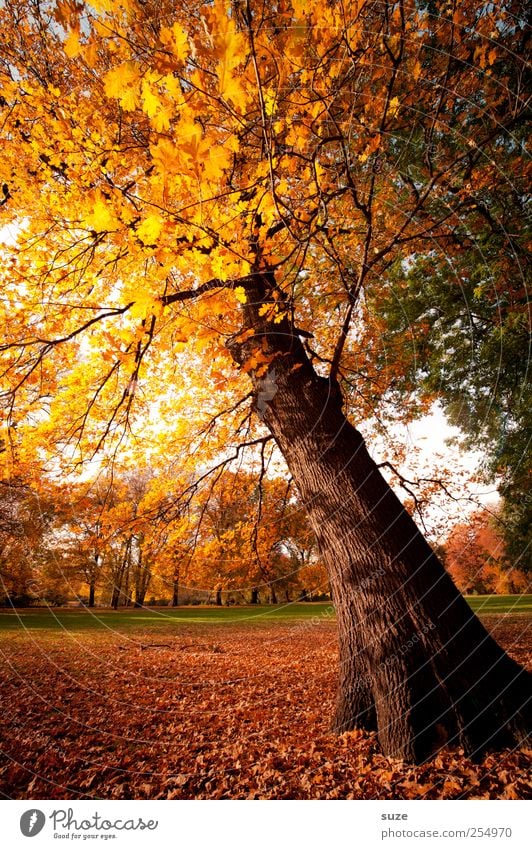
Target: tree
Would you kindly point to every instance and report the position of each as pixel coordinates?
(476, 557)
(118, 536)
(239, 180)
(23, 524)
(465, 316)
(517, 531)
(252, 539)
(79, 533)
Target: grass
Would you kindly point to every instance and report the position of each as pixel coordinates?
(157, 619)
(500, 604)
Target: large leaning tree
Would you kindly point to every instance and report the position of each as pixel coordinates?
(209, 201)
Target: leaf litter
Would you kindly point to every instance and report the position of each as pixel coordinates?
(211, 713)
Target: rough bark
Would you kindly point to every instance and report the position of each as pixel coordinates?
(415, 662)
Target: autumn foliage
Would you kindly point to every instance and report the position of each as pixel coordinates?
(155, 155)
(212, 208)
(475, 555)
(127, 541)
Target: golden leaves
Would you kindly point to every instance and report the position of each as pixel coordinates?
(175, 39)
(154, 136)
(72, 45)
(231, 48)
(166, 156)
(393, 107)
(113, 5)
(122, 83)
(485, 57)
(102, 217)
(161, 100)
(372, 146)
(148, 232)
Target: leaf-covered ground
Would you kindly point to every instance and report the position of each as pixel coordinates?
(209, 712)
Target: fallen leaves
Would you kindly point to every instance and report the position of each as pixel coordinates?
(224, 712)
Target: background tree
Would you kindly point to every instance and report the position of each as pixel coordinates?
(23, 523)
(476, 556)
(244, 179)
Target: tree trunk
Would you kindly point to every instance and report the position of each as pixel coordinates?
(115, 597)
(92, 593)
(254, 595)
(415, 662)
(175, 586)
(125, 592)
(273, 595)
(218, 596)
(140, 597)
(175, 593)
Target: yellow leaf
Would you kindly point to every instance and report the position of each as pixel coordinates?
(114, 80)
(72, 46)
(102, 217)
(231, 88)
(162, 119)
(270, 102)
(219, 267)
(129, 99)
(240, 294)
(175, 39)
(166, 155)
(122, 83)
(394, 106)
(173, 87)
(142, 306)
(150, 101)
(150, 229)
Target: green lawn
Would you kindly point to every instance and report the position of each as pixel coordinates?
(163, 618)
(490, 604)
